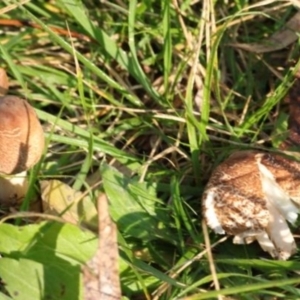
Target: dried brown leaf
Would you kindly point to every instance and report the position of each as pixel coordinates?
(101, 274)
(59, 199)
(279, 40)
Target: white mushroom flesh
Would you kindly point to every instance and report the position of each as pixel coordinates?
(276, 195)
(280, 235)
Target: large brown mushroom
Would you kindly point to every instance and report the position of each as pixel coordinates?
(21, 135)
(250, 196)
(21, 144)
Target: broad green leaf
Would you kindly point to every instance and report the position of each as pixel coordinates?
(25, 279)
(134, 207)
(47, 240)
(4, 297)
(43, 261)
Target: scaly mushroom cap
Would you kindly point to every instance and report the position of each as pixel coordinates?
(251, 195)
(21, 135)
(233, 199)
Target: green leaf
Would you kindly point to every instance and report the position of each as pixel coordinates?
(25, 279)
(4, 297)
(134, 207)
(43, 261)
(47, 239)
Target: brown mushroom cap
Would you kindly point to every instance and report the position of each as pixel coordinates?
(251, 195)
(233, 199)
(21, 135)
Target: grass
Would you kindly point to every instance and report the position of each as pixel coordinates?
(158, 90)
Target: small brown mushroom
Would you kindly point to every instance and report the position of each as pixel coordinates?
(21, 146)
(250, 196)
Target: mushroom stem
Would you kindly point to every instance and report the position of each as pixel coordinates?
(266, 244)
(13, 188)
(280, 235)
